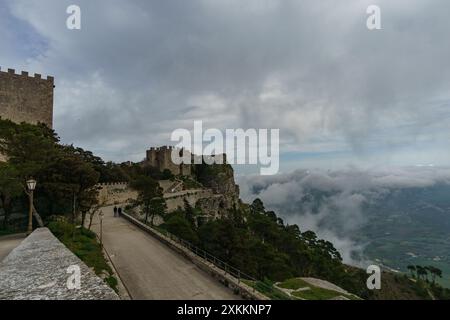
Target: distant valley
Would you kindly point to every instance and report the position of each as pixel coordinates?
(394, 218)
(410, 227)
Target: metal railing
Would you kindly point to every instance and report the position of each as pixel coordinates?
(218, 263)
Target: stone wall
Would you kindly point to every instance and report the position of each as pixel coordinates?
(38, 270)
(175, 200)
(115, 193)
(25, 98)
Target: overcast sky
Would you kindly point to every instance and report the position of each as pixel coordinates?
(339, 93)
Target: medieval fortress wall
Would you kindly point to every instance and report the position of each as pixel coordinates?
(25, 98)
(161, 158)
(115, 193)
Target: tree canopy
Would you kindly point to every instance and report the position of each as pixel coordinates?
(66, 175)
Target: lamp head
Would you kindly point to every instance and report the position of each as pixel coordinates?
(31, 184)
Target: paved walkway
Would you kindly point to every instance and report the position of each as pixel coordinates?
(8, 243)
(150, 269)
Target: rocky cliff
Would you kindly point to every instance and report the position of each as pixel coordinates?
(220, 179)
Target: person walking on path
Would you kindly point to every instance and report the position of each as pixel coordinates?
(119, 211)
(115, 211)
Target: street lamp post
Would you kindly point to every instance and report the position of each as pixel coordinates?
(31, 184)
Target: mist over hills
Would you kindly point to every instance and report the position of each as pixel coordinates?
(390, 216)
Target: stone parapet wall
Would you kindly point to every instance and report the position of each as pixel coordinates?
(38, 269)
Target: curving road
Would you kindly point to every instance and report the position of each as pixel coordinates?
(150, 269)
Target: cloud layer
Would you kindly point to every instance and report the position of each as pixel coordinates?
(139, 69)
(333, 203)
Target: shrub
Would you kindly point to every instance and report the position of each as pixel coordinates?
(83, 243)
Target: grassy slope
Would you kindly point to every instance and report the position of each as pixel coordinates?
(83, 243)
(267, 289)
(394, 287)
(315, 293)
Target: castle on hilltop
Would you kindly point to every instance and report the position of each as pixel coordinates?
(161, 159)
(214, 192)
(25, 98)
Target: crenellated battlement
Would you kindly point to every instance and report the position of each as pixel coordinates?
(25, 74)
(117, 184)
(161, 158)
(163, 148)
(26, 98)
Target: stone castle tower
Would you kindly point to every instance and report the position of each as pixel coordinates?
(161, 158)
(25, 98)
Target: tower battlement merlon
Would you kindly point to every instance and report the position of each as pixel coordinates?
(25, 74)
